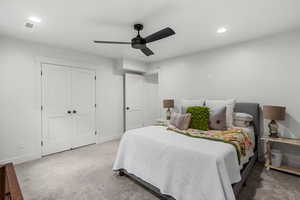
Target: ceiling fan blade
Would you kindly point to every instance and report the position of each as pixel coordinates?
(166, 32)
(147, 51)
(111, 42)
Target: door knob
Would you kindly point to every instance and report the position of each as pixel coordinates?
(69, 111)
(127, 108)
(74, 111)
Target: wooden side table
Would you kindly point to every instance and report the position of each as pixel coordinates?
(268, 163)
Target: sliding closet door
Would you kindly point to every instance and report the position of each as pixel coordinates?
(83, 107)
(56, 109)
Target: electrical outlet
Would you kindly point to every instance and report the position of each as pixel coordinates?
(21, 147)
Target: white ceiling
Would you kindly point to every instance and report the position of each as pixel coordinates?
(74, 23)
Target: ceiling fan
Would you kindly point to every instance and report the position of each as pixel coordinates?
(140, 43)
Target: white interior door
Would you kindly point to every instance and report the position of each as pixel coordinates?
(133, 101)
(83, 107)
(56, 98)
(151, 99)
(68, 114)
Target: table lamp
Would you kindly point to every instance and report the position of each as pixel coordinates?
(168, 103)
(273, 113)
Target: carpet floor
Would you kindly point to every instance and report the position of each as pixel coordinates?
(86, 174)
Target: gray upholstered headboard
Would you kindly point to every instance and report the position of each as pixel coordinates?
(254, 110)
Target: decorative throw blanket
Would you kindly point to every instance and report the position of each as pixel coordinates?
(237, 137)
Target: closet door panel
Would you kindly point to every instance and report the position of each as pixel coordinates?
(56, 101)
(83, 107)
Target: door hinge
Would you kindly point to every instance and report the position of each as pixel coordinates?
(95, 132)
(42, 107)
(41, 73)
(42, 143)
(95, 105)
(95, 78)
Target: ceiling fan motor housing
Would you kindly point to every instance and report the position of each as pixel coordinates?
(138, 42)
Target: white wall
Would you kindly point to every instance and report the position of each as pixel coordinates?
(129, 65)
(266, 71)
(20, 115)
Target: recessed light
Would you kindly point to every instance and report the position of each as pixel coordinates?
(35, 19)
(222, 30)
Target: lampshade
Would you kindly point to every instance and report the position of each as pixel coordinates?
(168, 103)
(274, 112)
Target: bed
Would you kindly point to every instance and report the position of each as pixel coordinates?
(173, 166)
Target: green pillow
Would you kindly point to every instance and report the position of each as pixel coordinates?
(200, 117)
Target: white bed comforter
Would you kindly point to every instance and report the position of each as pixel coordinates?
(184, 167)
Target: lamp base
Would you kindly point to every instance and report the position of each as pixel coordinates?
(273, 129)
(168, 114)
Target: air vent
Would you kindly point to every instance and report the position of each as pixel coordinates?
(28, 25)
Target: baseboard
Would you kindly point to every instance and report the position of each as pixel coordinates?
(108, 138)
(29, 157)
(21, 159)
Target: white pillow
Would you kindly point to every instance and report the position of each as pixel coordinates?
(241, 123)
(228, 104)
(242, 116)
(242, 119)
(185, 103)
(217, 114)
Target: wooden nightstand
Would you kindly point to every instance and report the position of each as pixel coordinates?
(268, 164)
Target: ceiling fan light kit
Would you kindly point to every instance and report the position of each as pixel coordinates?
(139, 42)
